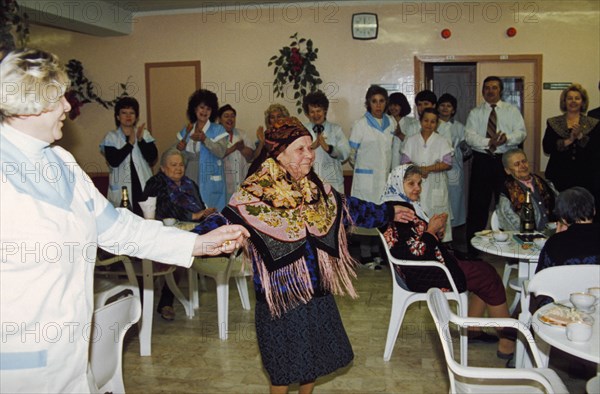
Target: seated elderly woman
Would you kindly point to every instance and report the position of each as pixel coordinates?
(420, 239)
(577, 239)
(517, 184)
(176, 197)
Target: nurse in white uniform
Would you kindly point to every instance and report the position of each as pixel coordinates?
(433, 154)
(52, 220)
(371, 141)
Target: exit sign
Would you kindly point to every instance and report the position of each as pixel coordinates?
(556, 85)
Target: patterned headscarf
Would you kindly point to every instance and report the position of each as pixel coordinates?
(279, 136)
(394, 190)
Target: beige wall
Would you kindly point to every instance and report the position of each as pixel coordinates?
(235, 46)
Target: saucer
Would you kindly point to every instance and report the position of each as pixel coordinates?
(591, 309)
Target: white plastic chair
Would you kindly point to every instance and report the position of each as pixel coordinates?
(558, 283)
(464, 379)
(106, 285)
(221, 269)
(402, 298)
(110, 324)
(109, 283)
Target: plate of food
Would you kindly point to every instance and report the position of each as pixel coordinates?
(561, 315)
(484, 233)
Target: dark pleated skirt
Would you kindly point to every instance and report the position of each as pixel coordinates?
(303, 344)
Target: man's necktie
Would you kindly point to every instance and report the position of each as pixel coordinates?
(491, 126)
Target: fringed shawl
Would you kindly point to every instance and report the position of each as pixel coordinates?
(516, 193)
(282, 216)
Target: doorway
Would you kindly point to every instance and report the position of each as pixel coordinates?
(464, 75)
(168, 87)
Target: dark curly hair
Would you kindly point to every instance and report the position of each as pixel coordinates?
(126, 102)
(206, 97)
(372, 91)
(316, 99)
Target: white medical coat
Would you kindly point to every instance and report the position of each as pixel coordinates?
(121, 176)
(52, 219)
(371, 157)
(434, 193)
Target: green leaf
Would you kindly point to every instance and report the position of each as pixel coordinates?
(273, 57)
(293, 44)
(302, 40)
(296, 95)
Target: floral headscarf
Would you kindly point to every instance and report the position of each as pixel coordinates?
(282, 134)
(394, 190)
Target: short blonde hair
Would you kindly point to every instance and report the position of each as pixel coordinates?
(574, 88)
(273, 108)
(31, 82)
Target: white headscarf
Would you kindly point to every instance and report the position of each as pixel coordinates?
(394, 190)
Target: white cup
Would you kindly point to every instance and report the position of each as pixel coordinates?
(579, 332)
(583, 301)
(595, 291)
(169, 221)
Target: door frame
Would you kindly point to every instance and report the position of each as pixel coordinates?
(421, 60)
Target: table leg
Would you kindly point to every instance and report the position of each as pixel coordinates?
(147, 308)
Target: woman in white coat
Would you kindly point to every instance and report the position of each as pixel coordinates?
(371, 143)
(52, 220)
(433, 154)
(130, 152)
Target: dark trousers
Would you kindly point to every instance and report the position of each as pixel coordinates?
(487, 180)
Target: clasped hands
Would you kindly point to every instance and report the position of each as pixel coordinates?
(224, 239)
(138, 135)
(576, 134)
(320, 141)
(499, 139)
(437, 225)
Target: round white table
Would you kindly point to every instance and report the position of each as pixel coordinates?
(556, 336)
(528, 257)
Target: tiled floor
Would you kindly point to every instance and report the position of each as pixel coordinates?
(188, 357)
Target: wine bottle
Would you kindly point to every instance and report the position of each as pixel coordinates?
(125, 203)
(527, 215)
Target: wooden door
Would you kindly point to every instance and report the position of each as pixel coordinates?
(168, 88)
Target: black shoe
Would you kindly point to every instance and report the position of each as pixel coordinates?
(482, 337)
(511, 363)
(505, 356)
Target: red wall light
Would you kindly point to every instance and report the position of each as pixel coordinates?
(446, 33)
(511, 32)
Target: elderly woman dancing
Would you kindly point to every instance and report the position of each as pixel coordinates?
(300, 257)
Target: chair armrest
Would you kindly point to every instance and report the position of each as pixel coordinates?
(503, 373)
(419, 263)
(127, 264)
(112, 260)
(500, 322)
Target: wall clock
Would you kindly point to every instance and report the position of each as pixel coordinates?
(365, 26)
